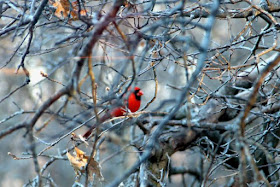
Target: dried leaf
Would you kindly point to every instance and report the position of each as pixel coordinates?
(75, 11)
(63, 9)
(77, 164)
(94, 168)
(80, 161)
(79, 153)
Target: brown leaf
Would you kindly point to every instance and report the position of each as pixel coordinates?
(79, 153)
(94, 168)
(77, 164)
(63, 9)
(75, 11)
(80, 161)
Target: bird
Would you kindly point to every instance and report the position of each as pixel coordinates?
(132, 104)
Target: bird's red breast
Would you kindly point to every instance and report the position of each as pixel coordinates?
(133, 104)
(134, 99)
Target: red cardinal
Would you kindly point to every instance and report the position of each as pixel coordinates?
(133, 104)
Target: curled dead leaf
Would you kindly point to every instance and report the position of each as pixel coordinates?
(79, 163)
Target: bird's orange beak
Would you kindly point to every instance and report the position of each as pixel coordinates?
(140, 93)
